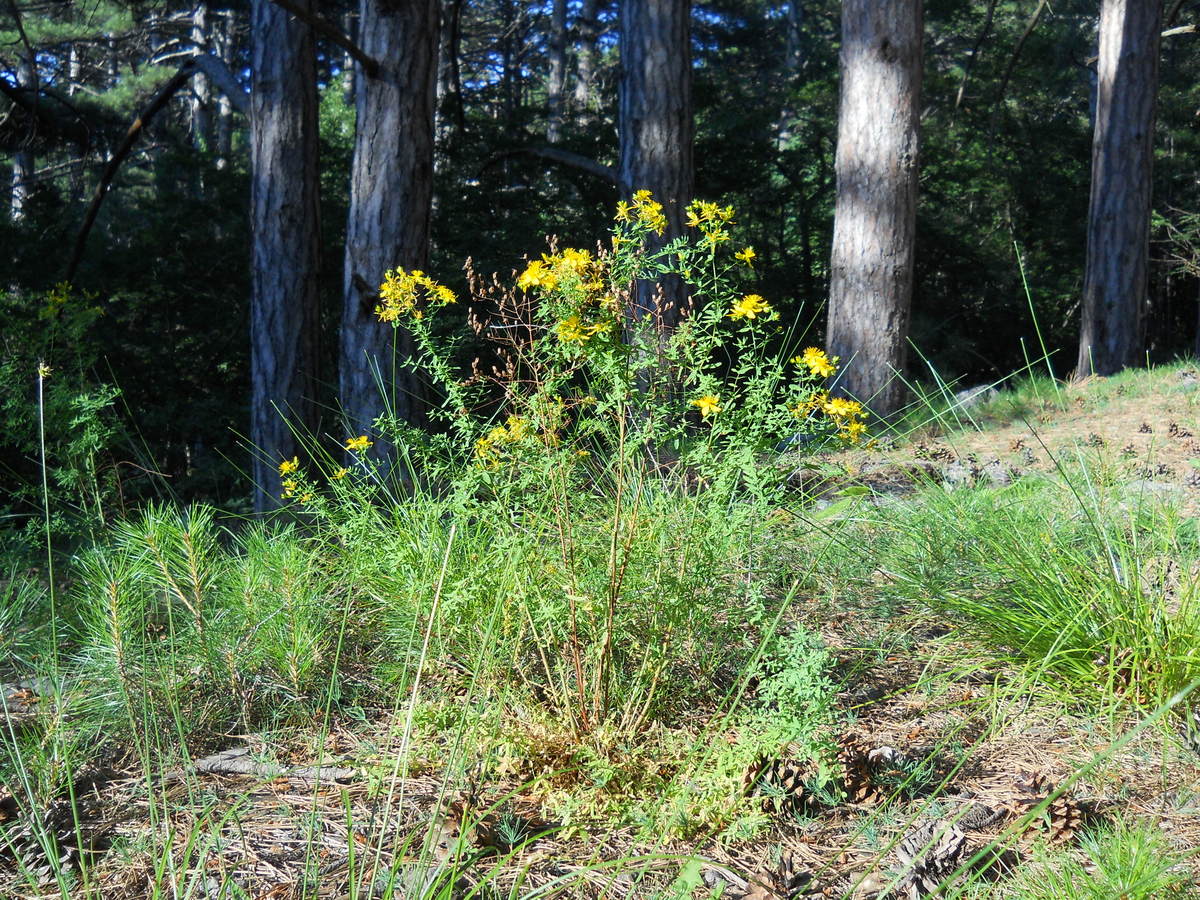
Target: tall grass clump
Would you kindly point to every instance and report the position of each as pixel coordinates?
(1074, 576)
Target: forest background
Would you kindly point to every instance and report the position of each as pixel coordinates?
(149, 347)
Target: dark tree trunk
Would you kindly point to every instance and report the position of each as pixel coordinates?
(557, 75)
(870, 291)
(1116, 273)
(656, 125)
(284, 225)
(450, 113)
(391, 188)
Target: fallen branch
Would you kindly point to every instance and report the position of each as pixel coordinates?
(239, 762)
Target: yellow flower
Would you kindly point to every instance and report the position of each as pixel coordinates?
(359, 444)
(43, 371)
(817, 362)
(306, 497)
(571, 330)
(576, 261)
(853, 431)
(841, 408)
(401, 290)
(537, 274)
(518, 428)
(288, 466)
(623, 211)
(709, 405)
(749, 307)
(340, 473)
(649, 211)
(746, 255)
(289, 487)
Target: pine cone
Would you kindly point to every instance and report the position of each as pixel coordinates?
(855, 756)
(786, 881)
(930, 854)
(1062, 816)
(45, 848)
(782, 783)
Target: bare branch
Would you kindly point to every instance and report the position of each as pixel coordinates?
(165, 93)
(564, 157)
(220, 75)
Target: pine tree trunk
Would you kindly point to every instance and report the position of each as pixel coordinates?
(450, 112)
(226, 51)
(1116, 273)
(201, 92)
(557, 76)
(391, 189)
(871, 271)
(23, 165)
(589, 33)
(656, 126)
(284, 225)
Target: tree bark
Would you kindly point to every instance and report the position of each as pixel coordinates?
(1116, 272)
(391, 188)
(24, 165)
(285, 250)
(585, 71)
(656, 127)
(557, 76)
(451, 116)
(201, 95)
(870, 292)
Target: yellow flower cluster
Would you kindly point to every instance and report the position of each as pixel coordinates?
(573, 330)
(570, 265)
(711, 219)
(750, 307)
(492, 446)
(644, 209)
(404, 293)
(709, 405)
(289, 466)
(848, 415)
(746, 255)
(816, 362)
(359, 444)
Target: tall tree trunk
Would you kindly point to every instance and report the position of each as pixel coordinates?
(874, 226)
(347, 60)
(226, 37)
(557, 76)
(285, 229)
(589, 34)
(450, 113)
(23, 166)
(391, 187)
(656, 126)
(201, 93)
(1116, 273)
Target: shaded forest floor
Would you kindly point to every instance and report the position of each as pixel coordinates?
(989, 729)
